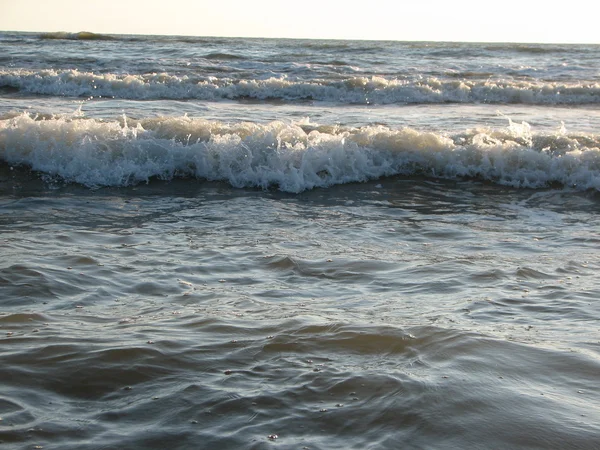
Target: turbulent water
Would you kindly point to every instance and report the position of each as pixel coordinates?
(253, 243)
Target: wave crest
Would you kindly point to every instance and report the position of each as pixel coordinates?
(291, 156)
(356, 90)
(80, 36)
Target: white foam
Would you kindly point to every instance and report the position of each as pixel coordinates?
(292, 156)
(360, 90)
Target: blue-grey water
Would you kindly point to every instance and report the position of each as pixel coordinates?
(250, 243)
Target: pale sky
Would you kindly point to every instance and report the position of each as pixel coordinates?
(562, 21)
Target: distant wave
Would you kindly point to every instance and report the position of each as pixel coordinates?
(292, 157)
(536, 48)
(356, 90)
(81, 36)
(223, 56)
(87, 35)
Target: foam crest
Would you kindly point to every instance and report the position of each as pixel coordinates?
(355, 90)
(292, 157)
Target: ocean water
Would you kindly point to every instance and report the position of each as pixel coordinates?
(297, 244)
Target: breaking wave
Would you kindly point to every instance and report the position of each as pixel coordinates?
(292, 157)
(354, 90)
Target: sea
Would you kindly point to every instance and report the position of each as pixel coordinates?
(230, 243)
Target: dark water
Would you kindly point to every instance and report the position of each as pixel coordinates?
(207, 256)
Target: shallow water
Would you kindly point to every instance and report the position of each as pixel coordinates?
(403, 313)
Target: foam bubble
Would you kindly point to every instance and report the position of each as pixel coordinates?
(291, 156)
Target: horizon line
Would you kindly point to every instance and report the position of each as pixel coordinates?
(297, 38)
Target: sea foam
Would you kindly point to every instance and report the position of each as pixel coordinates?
(293, 156)
(353, 90)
